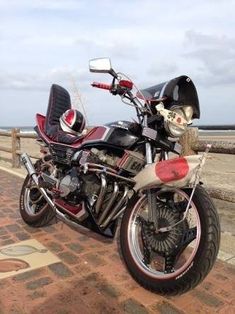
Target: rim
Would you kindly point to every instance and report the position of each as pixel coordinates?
(156, 269)
(33, 200)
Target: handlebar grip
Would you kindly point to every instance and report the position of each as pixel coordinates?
(101, 85)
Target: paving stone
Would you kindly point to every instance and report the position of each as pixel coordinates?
(60, 270)
(75, 247)
(82, 268)
(14, 216)
(4, 283)
(13, 228)
(22, 236)
(207, 298)
(230, 270)
(61, 237)
(15, 309)
(55, 246)
(39, 283)
(94, 259)
(6, 242)
(31, 229)
(49, 229)
(37, 294)
(109, 290)
(83, 238)
(133, 307)
(3, 231)
(92, 278)
(7, 211)
(166, 308)
(28, 275)
(5, 237)
(68, 257)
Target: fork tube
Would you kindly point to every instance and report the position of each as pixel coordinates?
(148, 148)
(150, 194)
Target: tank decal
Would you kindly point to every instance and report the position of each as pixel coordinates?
(99, 134)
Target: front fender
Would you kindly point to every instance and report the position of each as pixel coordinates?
(177, 172)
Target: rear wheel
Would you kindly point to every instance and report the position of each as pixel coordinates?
(174, 261)
(34, 209)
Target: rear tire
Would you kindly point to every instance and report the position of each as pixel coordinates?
(33, 216)
(200, 265)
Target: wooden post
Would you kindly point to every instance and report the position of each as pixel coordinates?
(187, 141)
(15, 148)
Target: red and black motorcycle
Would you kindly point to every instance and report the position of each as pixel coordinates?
(124, 172)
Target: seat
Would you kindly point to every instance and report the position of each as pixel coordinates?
(59, 102)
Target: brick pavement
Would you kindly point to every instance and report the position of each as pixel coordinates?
(91, 277)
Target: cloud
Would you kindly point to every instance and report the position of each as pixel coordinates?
(162, 68)
(43, 4)
(216, 57)
(41, 82)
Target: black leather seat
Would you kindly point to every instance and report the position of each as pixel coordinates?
(59, 102)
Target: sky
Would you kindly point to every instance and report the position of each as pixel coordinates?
(45, 42)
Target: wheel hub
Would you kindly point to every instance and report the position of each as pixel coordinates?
(163, 243)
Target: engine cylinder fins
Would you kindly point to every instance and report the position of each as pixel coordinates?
(117, 210)
(110, 203)
(101, 194)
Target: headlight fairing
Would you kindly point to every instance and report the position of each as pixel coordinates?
(175, 130)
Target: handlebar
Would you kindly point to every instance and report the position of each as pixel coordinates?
(101, 85)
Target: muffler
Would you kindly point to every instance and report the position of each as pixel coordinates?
(32, 173)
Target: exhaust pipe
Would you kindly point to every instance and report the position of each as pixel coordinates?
(32, 173)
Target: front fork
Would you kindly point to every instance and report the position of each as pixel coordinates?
(151, 192)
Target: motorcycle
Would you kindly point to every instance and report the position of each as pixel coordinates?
(130, 175)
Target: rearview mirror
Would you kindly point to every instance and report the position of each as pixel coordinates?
(100, 65)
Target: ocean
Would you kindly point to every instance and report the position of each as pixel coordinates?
(23, 129)
(30, 129)
(216, 132)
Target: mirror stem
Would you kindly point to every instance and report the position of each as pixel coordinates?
(113, 73)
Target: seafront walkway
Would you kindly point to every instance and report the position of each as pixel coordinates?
(84, 272)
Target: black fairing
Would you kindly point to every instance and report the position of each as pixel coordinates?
(120, 135)
(180, 91)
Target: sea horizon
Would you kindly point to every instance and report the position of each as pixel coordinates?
(23, 129)
(30, 129)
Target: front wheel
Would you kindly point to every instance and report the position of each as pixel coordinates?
(175, 261)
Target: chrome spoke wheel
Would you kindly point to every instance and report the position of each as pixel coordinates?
(163, 255)
(33, 199)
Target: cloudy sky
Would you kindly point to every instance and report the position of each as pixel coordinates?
(50, 41)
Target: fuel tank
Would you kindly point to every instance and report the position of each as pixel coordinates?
(115, 134)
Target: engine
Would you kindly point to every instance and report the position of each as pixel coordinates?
(99, 179)
(131, 162)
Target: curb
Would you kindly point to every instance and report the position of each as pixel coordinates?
(13, 172)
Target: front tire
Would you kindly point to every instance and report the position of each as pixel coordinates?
(195, 260)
